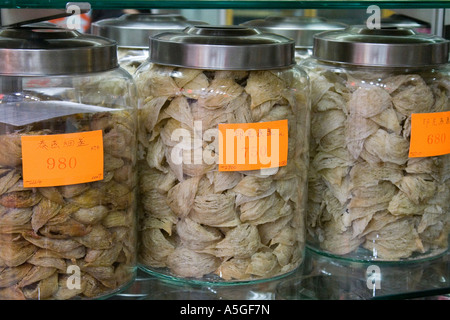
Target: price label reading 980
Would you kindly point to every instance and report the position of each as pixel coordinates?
(62, 163)
(62, 159)
(430, 134)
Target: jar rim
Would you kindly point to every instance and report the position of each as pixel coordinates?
(390, 47)
(222, 48)
(38, 51)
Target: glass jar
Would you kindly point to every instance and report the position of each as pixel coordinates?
(379, 168)
(131, 31)
(300, 29)
(68, 151)
(215, 205)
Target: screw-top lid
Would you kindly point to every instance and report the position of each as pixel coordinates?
(133, 30)
(222, 48)
(33, 51)
(300, 29)
(391, 47)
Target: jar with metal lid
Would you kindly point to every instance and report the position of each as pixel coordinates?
(300, 29)
(67, 179)
(131, 31)
(222, 155)
(380, 167)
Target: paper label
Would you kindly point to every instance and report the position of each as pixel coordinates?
(430, 134)
(253, 146)
(62, 159)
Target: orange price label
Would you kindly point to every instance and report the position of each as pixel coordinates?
(253, 146)
(62, 159)
(430, 134)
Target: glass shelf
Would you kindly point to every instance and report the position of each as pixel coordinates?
(319, 278)
(230, 4)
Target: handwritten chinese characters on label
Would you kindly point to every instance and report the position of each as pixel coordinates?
(62, 159)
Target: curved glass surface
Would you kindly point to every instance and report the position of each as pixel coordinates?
(319, 278)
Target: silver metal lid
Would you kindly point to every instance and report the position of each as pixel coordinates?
(222, 48)
(33, 51)
(390, 47)
(133, 30)
(402, 21)
(300, 29)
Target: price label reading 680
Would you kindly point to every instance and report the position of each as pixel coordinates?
(429, 133)
(437, 138)
(62, 159)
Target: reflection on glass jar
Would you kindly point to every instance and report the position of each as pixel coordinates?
(338, 278)
(379, 175)
(67, 178)
(223, 156)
